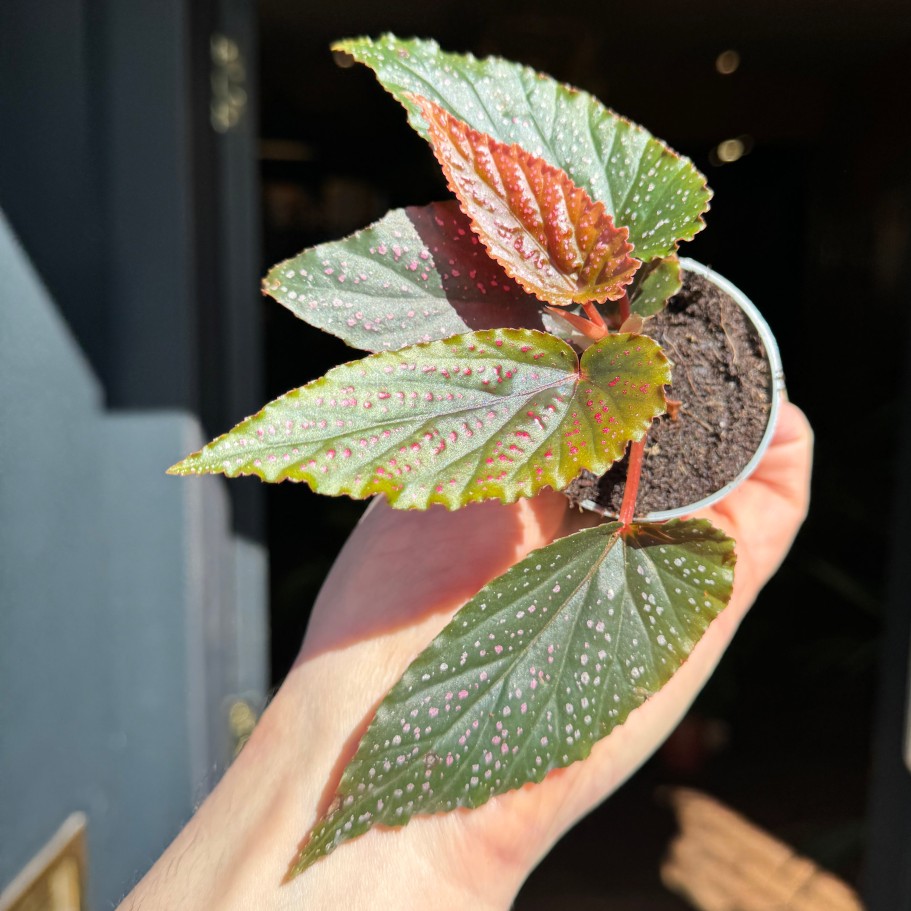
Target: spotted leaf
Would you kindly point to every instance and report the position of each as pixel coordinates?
(417, 275)
(498, 414)
(532, 672)
(655, 283)
(544, 230)
(644, 185)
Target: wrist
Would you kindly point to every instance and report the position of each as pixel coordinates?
(236, 851)
(443, 861)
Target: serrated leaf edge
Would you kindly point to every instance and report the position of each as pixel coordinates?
(353, 45)
(616, 533)
(551, 171)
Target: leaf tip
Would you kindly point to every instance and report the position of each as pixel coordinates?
(345, 44)
(270, 284)
(186, 466)
(314, 847)
(302, 861)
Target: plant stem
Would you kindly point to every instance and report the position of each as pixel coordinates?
(592, 312)
(633, 473)
(586, 326)
(624, 308)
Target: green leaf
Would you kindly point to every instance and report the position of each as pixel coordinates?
(494, 414)
(417, 275)
(532, 672)
(546, 232)
(644, 185)
(655, 283)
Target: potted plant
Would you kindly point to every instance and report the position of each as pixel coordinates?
(524, 336)
(730, 384)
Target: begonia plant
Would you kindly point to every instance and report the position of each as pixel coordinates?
(510, 351)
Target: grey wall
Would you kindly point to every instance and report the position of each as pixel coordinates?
(124, 634)
(132, 604)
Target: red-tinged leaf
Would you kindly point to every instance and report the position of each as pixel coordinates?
(494, 414)
(417, 275)
(546, 232)
(645, 185)
(532, 672)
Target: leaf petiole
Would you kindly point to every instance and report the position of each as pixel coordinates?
(631, 490)
(580, 324)
(592, 312)
(624, 311)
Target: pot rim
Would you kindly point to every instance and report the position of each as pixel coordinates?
(777, 393)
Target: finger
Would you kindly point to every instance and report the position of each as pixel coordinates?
(764, 514)
(767, 515)
(787, 464)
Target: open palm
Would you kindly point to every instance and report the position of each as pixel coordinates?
(397, 582)
(402, 575)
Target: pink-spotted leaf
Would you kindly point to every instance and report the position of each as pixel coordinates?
(545, 661)
(417, 275)
(497, 414)
(655, 282)
(546, 232)
(645, 186)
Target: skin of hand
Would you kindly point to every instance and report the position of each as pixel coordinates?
(397, 582)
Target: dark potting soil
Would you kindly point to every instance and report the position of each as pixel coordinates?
(723, 381)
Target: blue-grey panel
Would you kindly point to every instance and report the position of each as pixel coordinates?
(129, 614)
(52, 594)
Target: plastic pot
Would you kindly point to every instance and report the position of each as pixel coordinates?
(776, 393)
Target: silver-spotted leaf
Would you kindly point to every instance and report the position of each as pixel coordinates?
(497, 414)
(655, 282)
(546, 232)
(532, 672)
(417, 275)
(648, 188)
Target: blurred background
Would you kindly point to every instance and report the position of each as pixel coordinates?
(157, 157)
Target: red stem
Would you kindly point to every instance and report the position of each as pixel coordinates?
(580, 323)
(592, 312)
(633, 473)
(624, 308)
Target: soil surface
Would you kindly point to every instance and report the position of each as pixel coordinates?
(723, 381)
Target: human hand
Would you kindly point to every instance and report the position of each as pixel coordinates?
(398, 581)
